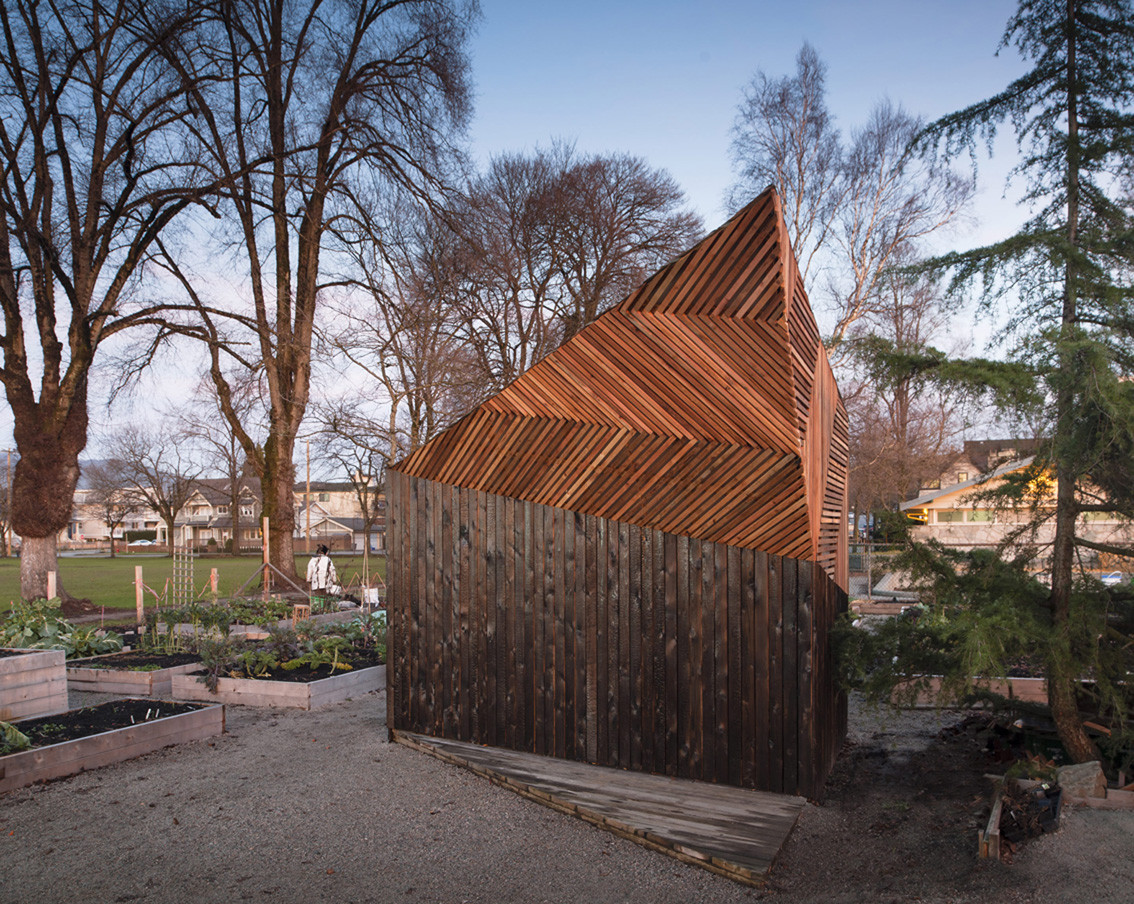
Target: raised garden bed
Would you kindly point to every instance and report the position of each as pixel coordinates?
(106, 735)
(259, 632)
(32, 683)
(132, 674)
(1032, 690)
(293, 693)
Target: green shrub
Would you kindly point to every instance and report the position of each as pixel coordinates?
(39, 625)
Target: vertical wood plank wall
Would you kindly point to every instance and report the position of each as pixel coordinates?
(519, 625)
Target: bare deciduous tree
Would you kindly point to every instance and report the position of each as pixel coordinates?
(854, 210)
(159, 469)
(93, 173)
(891, 202)
(328, 93)
(904, 425)
(221, 452)
(349, 440)
(784, 136)
(621, 222)
(110, 495)
(553, 239)
(404, 333)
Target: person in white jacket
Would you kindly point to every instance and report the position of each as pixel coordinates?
(321, 573)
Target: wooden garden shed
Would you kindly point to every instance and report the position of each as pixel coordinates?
(633, 555)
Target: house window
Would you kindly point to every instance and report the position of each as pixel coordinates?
(950, 516)
(246, 510)
(962, 476)
(222, 509)
(324, 497)
(980, 515)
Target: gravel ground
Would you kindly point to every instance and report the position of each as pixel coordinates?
(302, 807)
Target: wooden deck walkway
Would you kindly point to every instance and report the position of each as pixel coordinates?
(734, 832)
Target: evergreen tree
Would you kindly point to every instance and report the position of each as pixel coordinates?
(1066, 275)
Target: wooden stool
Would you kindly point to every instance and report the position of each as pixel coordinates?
(300, 612)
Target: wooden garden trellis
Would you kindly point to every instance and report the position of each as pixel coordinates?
(634, 554)
(183, 586)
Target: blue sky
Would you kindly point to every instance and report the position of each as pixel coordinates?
(662, 80)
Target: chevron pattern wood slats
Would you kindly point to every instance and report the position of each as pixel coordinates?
(702, 405)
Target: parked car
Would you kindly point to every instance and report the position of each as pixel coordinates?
(141, 543)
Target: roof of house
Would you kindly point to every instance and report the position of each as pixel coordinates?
(324, 486)
(701, 405)
(216, 490)
(926, 498)
(348, 524)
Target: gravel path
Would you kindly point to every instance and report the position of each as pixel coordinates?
(312, 807)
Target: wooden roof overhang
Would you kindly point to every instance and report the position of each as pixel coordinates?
(702, 405)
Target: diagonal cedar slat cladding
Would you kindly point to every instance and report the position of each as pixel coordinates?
(757, 413)
(753, 354)
(646, 376)
(702, 405)
(747, 256)
(628, 373)
(700, 270)
(726, 405)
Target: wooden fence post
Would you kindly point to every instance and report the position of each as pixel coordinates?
(267, 579)
(139, 600)
(213, 584)
(51, 585)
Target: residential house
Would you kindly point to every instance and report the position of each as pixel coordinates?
(206, 520)
(87, 526)
(954, 515)
(978, 457)
(330, 513)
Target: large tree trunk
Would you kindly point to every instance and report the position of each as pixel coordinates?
(1061, 682)
(37, 558)
(169, 522)
(43, 486)
(278, 485)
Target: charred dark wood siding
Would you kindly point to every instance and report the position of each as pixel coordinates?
(536, 628)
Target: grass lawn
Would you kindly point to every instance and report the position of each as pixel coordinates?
(110, 582)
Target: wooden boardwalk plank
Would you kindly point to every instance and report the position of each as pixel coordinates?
(734, 832)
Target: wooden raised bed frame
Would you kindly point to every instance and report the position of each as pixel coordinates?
(32, 683)
(1031, 690)
(124, 682)
(283, 694)
(72, 757)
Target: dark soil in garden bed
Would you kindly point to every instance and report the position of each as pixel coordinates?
(136, 661)
(306, 673)
(92, 720)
